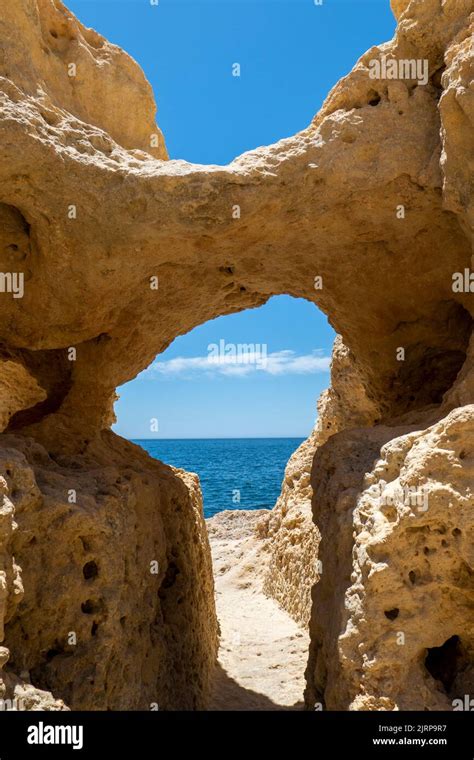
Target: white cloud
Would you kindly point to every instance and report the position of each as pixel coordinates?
(276, 363)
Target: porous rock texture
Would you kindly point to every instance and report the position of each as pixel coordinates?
(393, 622)
(114, 564)
(94, 216)
(15, 694)
(293, 537)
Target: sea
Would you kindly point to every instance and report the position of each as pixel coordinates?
(235, 473)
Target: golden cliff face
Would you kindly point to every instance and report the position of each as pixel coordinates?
(121, 251)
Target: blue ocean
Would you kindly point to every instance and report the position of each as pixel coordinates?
(235, 473)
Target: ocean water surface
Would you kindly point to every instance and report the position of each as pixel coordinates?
(235, 473)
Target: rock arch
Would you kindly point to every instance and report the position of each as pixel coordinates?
(90, 211)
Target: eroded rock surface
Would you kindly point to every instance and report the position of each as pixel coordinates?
(397, 556)
(322, 203)
(122, 250)
(293, 537)
(110, 546)
(15, 693)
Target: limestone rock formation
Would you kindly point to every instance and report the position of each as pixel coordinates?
(15, 694)
(18, 390)
(318, 204)
(293, 537)
(76, 80)
(110, 546)
(397, 556)
(120, 251)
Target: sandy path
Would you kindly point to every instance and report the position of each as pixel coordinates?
(263, 651)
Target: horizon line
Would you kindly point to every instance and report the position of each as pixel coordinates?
(224, 438)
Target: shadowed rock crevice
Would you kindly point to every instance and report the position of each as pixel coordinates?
(52, 371)
(444, 663)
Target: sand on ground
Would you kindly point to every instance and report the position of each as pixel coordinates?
(263, 652)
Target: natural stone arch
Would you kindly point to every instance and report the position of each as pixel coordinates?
(323, 203)
(90, 212)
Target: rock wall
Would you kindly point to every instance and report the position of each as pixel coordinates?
(110, 547)
(293, 568)
(15, 693)
(76, 78)
(392, 624)
(293, 539)
(120, 251)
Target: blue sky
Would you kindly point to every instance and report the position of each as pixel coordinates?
(291, 52)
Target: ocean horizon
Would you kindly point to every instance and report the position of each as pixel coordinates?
(235, 473)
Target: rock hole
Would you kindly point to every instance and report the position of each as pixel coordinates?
(54, 652)
(429, 371)
(94, 628)
(57, 389)
(89, 607)
(436, 77)
(373, 98)
(172, 571)
(90, 570)
(412, 576)
(53, 33)
(392, 614)
(445, 662)
(456, 532)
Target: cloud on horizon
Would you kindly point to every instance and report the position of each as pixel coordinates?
(277, 363)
